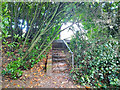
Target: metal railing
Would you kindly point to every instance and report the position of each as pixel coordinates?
(70, 52)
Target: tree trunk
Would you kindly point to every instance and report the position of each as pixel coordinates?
(39, 36)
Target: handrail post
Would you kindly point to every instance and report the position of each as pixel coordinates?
(72, 60)
(71, 53)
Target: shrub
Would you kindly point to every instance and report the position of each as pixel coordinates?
(96, 62)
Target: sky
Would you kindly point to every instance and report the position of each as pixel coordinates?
(67, 34)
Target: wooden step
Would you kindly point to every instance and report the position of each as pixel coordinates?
(60, 69)
(58, 51)
(58, 48)
(59, 56)
(59, 64)
(59, 59)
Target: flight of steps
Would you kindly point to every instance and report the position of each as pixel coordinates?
(59, 59)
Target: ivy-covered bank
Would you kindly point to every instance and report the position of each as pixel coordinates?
(96, 47)
(96, 62)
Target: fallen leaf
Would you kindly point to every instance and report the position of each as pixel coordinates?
(54, 82)
(64, 82)
(34, 73)
(62, 86)
(7, 86)
(66, 79)
(38, 70)
(65, 65)
(87, 87)
(49, 77)
(117, 71)
(42, 65)
(40, 85)
(31, 82)
(78, 86)
(99, 84)
(32, 68)
(18, 85)
(31, 86)
(14, 84)
(9, 59)
(35, 79)
(24, 50)
(28, 75)
(20, 45)
(58, 77)
(42, 75)
(6, 80)
(36, 76)
(25, 75)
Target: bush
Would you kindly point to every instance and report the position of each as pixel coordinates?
(96, 62)
(14, 68)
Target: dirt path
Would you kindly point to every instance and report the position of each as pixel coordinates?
(36, 78)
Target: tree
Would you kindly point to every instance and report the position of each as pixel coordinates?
(44, 21)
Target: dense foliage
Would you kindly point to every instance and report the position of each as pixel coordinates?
(97, 61)
(96, 51)
(28, 31)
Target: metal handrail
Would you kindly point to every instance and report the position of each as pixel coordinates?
(70, 52)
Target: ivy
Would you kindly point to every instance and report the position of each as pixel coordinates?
(96, 62)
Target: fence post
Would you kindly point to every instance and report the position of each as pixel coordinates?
(72, 60)
(49, 64)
